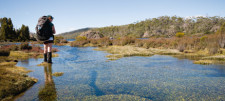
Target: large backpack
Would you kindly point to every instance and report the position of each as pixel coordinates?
(43, 29)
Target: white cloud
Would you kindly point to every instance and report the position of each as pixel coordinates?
(191, 17)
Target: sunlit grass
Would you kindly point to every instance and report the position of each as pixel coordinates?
(128, 50)
(203, 62)
(26, 55)
(57, 74)
(13, 80)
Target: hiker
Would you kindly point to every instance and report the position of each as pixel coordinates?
(48, 43)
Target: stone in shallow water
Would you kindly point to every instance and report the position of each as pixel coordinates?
(43, 64)
(57, 74)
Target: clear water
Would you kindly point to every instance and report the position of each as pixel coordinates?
(89, 76)
(70, 39)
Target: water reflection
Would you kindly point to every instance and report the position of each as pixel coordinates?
(48, 92)
(89, 77)
(25, 62)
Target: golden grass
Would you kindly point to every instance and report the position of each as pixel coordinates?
(43, 64)
(56, 74)
(215, 57)
(118, 52)
(9, 64)
(124, 51)
(203, 62)
(201, 56)
(25, 55)
(14, 80)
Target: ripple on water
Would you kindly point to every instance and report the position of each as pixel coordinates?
(87, 76)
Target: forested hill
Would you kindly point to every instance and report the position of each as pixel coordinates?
(73, 34)
(165, 26)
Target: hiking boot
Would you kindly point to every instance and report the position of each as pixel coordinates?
(49, 57)
(45, 57)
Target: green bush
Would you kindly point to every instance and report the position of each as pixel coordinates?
(64, 41)
(93, 41)
(57, 39)
(81, 38)
(4, 52)
(179, 34)
(124, 41)
(24, 46)
(78, 43)
(104, 41)
(139, 43)
(202, 39)
(14, 47)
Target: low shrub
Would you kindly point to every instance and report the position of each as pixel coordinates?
(203, 38)
(58, 39)
(14, 47)
(213, 44)
(37, 49)
(24, 46)
(54, 50)
(139, 43)
(179, 34)
(79, 43)
(93, 41)
(105, 41)
(64, 41)
(181, 47)
(81, 38)
(4, 52)
(124, 41)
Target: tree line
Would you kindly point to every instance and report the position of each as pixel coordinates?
(10, 34)
(165, 26)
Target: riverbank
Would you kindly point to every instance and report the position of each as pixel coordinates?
(145, 77)
(118, 52)
(14, 80)
(202, 49)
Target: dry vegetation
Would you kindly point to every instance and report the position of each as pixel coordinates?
(23, 51)
(13, 80)
(202, 46)
(183, 44)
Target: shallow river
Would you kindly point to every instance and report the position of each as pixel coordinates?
(89, 76)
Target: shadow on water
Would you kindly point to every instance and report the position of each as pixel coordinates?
(48, 91)
(97, 91)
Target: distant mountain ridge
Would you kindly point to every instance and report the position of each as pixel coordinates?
(74, 33)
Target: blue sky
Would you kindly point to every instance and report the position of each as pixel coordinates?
(75, 14)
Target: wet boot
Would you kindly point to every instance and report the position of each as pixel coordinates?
(49, 57)
(45, 57)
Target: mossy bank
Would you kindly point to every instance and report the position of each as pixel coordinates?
(14, 80)
(199, 57)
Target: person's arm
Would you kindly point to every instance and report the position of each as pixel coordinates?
(53, 29)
